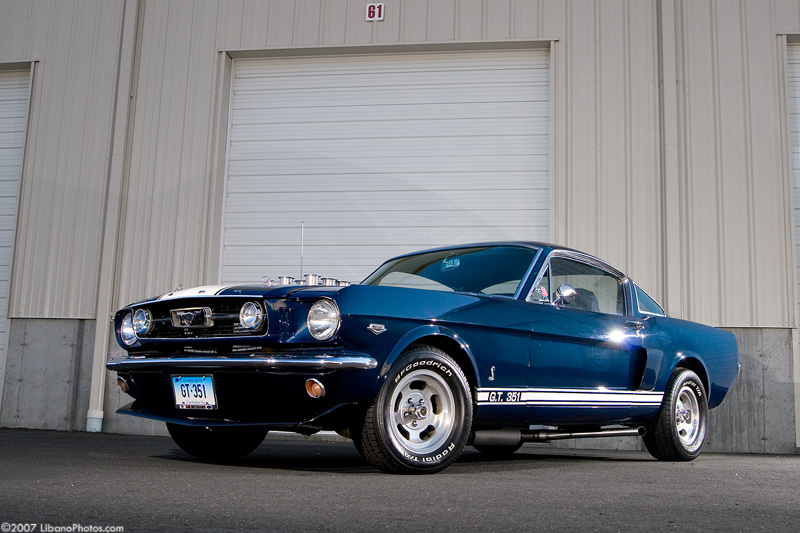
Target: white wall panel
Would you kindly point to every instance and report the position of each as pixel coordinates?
(377, 156)
(62, 194)
(793, 78)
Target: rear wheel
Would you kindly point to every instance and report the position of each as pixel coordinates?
(422, 416)
(217, 443)
(679, 431)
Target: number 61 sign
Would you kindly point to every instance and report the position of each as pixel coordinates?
(374, 12)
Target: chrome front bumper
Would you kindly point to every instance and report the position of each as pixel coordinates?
(273, 362)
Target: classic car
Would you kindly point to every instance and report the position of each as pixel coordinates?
(490, 345)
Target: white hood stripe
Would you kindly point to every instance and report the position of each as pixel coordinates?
(207, 290)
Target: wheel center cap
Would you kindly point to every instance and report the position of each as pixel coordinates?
(415, 409)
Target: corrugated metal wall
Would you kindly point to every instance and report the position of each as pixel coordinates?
(735, 201)
(59, 227)
(734, 205)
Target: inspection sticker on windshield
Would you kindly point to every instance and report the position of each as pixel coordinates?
(450, 263)
(194, 392)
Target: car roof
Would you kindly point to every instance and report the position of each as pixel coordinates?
(529, 244)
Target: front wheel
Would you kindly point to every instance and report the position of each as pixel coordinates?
(217, 443)
(679, 431)
(421, 418)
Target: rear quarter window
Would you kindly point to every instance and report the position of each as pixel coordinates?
(647, 304)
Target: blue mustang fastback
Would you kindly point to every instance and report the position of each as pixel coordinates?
(489, 345)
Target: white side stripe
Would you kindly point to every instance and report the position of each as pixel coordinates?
(569, 397)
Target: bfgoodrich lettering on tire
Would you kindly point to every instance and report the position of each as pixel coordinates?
(679, 431)
(422, 416)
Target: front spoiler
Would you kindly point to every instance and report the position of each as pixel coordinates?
(272, 362)
(336, 416)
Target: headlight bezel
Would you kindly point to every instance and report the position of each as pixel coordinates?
(126, 332)
(327, 307)
(142, 322)
(260, 314)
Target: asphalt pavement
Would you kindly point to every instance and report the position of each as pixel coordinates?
(80, 482)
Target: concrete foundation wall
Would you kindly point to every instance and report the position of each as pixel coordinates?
(47, 375)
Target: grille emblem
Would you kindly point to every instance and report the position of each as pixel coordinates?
(196, 317)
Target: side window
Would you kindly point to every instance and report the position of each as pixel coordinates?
(541, 293)
(646, 304)
(598, 290)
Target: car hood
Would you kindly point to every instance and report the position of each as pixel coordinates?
(259, 289)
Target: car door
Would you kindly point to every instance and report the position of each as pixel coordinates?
(586, 356)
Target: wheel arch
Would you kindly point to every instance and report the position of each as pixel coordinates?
(455, 350)
(443, 339)
(695, 365)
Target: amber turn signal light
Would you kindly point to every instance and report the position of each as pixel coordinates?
(314, 388)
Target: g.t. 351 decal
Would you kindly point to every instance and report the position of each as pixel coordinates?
(599, 397)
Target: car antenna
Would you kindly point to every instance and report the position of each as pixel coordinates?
(302, 246)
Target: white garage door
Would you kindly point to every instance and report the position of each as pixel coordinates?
(380, 155)
(13, 117)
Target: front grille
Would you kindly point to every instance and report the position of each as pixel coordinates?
(224, 313)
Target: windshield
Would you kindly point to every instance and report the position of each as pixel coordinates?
(496, 270)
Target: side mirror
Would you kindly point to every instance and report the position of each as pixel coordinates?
(565, 295)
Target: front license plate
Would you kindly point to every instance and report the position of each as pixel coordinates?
(194, 392)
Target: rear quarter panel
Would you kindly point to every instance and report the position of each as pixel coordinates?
(716, 350)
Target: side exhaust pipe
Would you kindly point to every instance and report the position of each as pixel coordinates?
(547, 436)
(512, 437)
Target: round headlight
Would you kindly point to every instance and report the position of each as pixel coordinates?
(251, 315)
(126, 332)
(142, 322)
(324, 319)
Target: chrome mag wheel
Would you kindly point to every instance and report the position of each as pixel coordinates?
(422, 416)
(422, 412)
(679, 431)
(687, 416)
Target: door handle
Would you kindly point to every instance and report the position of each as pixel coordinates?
(636, 326)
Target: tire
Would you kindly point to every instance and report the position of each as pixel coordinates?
(217, 443)
(353, 433)
(421, 418)
(679, 431)
(497, 451)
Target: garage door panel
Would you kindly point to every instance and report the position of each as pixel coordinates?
(315, 235)
(391, 219)
(334, 201)
(379, 81)
(13, 113)
(12, 125)
(349, 106)
(439, 127)
(378, 64)
(461, 147)
(10, 157)
(354, 264)
(442, 181)
(380, 155)
(401, 165)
